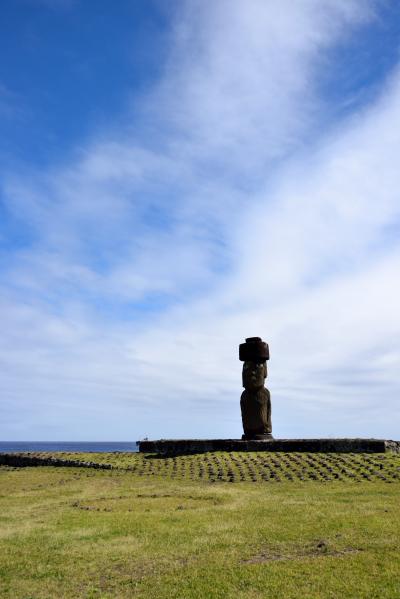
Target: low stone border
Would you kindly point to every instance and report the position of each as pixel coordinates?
(22, 461)
(182, 446)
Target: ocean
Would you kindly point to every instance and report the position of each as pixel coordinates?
(68, 446)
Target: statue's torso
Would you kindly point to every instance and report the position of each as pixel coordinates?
(256, 412)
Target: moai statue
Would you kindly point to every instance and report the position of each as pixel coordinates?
(255, 401)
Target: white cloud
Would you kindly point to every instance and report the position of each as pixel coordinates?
(228, 220)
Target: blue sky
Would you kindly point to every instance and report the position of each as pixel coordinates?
(66, 68)
(175, 177)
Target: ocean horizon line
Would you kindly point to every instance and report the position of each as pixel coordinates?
(68, 446)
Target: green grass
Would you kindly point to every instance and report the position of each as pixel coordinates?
(160, 531)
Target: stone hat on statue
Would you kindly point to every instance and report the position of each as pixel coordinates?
(254, 350)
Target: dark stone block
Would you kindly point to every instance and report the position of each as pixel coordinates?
(188, 446)
(254, 350)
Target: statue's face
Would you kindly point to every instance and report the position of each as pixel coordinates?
(254, 374)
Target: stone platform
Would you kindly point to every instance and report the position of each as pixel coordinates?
(188, 446)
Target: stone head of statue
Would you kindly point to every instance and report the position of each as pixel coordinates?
(254, 355)
(254, 375)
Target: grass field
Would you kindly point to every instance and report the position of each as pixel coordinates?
(154, 528)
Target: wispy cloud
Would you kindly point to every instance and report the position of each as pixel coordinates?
(236, 209)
